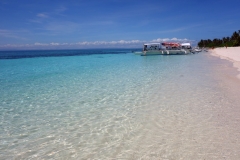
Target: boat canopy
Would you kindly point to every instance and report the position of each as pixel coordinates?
(185, 44)
(152, 44)
(170, 44)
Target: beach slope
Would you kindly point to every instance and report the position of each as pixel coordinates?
(230, 53)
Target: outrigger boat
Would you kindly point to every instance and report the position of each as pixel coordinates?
(165, 48)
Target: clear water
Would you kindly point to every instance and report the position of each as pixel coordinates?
(112, 104)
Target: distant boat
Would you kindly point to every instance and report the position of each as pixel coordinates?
(197, 50)
(166, 48)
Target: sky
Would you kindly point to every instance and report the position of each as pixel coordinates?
(76, 24)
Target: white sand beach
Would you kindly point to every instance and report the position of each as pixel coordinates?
(230, 53)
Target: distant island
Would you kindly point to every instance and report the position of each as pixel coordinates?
(232, 41)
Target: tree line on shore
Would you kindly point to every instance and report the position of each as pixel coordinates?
(232, 41)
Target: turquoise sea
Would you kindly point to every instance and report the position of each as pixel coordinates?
(112, 104)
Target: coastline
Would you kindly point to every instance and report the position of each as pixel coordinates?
(230, 53)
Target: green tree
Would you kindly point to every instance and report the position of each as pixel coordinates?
(234, 40)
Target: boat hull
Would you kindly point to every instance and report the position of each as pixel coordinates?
(165, 52)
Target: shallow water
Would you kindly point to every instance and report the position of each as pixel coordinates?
(119, 106)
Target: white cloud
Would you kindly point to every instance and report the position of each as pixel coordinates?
(171, 39)
(48, 44)
(42, 15)
(54, 44)
(40, 44)
(60, 9)
(109, 42)
(93, 44)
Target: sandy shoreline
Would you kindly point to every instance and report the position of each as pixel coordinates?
(230, 53)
